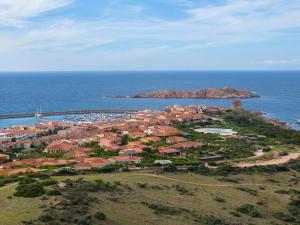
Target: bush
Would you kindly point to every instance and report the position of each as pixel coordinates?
(248, 190)
(100, 216)
(108, 168)
(170, 168)
(142, 185)
(210, 220)
(284, 217)
(219, 199)
(29, 191)
(161, 209)
(249, 210)
(53, 193)
(48, 182)
(282, 192)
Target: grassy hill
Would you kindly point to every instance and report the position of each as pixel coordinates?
(168, 198)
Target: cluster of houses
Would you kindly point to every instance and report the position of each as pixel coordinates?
(144, 127)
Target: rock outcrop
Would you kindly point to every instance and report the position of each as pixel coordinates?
(209, 93)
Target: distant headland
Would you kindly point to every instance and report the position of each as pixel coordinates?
(208, 93)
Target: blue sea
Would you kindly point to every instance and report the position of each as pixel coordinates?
(26, 92)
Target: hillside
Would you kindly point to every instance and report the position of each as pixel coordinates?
(168, 198)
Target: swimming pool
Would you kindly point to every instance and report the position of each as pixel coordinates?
(219, 131)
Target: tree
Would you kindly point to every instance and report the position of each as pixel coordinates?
(125, 139)
(236, 104)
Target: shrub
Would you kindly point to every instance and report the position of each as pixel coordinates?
(294, 208)
(108, 168)
(219, 199)
(161, 209)
(170, 168)
(283, 153)
(284, 217)
(53, 193)
(142, 185)
(48, 182)
(100, 216)
(235, 214)
(248, 190)
(210, 220)
(249, 210)
(29, 191)
(182, 190)
(283, 192)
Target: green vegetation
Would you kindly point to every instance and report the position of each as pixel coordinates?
(75, 203)
(249, 210)
(29, 191)
(100, 216)
(248, 190)
(164, 198)
(284, 217)
(250, 122)
(125, 139)
(210, 220)
(161, 209)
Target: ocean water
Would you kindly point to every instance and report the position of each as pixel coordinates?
(61, 91)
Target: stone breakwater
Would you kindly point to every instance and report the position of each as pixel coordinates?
(209, 93)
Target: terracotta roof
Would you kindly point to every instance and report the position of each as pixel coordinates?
(175, 139)
(9, 172)
(188, 144)
(87, 163)
(150, 139)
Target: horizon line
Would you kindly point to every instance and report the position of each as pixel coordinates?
(154, 70)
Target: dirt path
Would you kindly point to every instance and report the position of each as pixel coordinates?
(211, 185)
(280, 160)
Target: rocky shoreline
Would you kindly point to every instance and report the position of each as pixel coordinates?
(209, 93)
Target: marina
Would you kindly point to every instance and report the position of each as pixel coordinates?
(84, 116)
(75, 112)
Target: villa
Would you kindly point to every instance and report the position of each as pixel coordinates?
(175, 139)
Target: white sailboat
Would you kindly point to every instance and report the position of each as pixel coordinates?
(39, 114)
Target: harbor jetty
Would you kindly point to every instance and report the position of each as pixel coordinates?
(74, 112)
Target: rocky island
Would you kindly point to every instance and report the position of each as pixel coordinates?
(209, 93)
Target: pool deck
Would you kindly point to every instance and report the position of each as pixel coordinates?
(218, 131)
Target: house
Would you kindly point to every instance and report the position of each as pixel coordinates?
(16, 134)
(150, 139)
(188, 145)
(59, 147)
(3, 157)
(4, 140)
(78, 152)
(89, 163)
(135, 151)
(175, 139)
(109, 141)
(37, 162)
(161, 131)
(126, 159)
(169, 151)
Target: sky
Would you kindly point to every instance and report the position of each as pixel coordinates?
(58, 35)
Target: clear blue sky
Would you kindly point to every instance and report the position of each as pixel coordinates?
(149, 34)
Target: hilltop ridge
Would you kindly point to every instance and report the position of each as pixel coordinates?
(208, 93)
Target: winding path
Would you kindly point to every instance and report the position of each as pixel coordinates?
(277, 161)
(211, 185)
